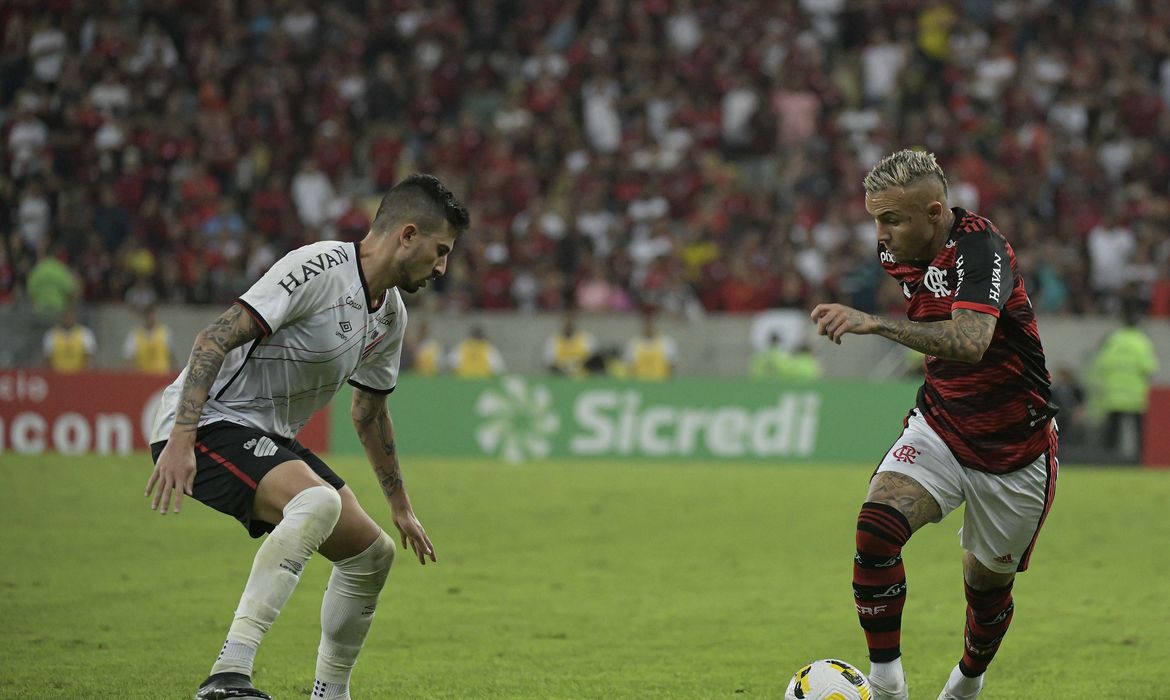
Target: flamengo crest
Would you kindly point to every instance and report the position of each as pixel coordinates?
(936, 281)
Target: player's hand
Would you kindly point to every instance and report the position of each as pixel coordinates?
(173, 475)
(413, 535)
(835, 320)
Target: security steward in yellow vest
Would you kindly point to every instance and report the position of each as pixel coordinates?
(565, 352)
(69, 346)
(476, 358)
(148, 347)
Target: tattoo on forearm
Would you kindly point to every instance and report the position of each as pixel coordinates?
(232, 329)
(964, 337)
(376, 433)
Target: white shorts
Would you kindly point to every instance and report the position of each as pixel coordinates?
(1004, 511)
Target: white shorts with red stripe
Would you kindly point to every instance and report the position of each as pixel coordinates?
(1004, 512)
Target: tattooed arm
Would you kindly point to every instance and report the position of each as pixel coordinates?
(963, 337)
(174, 472)
(375, 429)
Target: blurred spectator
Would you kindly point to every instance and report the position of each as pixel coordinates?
(567, 351)
(1121, 373)
(774, 362)
(147, 348)
(475, 357)
(51, 285)
(651, 355)
(1069, 396)
(426, 354)
(69, 346)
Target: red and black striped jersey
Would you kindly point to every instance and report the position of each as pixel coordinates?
(995, 415)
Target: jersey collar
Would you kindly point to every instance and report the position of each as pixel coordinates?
(357, 252)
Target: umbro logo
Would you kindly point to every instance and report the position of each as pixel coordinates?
(264, 447)
(346, 326)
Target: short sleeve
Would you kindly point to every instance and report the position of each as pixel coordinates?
(984, 273)
(295, 286)
(378, 372)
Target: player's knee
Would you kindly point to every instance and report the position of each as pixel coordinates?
(367, 572)
(382, 554)
(319, 507)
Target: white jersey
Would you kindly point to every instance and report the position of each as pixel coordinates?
(320, 329)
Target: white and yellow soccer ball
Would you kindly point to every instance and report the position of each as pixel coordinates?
(828, 679)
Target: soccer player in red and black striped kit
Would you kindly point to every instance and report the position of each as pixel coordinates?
(982, 431)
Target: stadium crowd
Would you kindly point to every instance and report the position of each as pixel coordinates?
(685, 155)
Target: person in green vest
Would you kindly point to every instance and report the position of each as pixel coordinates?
(1121, 374)
(51, 285)
(774, 362)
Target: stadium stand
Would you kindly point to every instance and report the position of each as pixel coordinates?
(688, 155)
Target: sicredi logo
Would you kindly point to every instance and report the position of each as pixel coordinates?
(521, 422)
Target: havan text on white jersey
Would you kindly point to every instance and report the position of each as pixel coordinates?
(320, 329)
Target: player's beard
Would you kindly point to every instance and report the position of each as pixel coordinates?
(413, 285)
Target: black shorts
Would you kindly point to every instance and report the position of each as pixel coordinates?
(230, 460)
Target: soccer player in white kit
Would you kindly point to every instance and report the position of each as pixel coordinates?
(324, 314)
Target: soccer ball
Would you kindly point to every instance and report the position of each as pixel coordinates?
(828, 679)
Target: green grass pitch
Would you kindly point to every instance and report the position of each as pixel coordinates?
(572, 580)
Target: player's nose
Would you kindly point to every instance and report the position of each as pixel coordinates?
(440, 267)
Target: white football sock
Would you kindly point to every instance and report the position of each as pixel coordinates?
(888, 675)
(347, 611)
(309, 517)
(960, 686)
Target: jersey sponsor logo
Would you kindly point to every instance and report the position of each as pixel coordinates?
(936, 281)
(264, 447)
(951, 243)
(906, 453)
(354, 304)
(313, 267)
(996, 277)
(887, 257)
(387, 319)
(959, 272)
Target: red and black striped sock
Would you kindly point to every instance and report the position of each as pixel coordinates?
(879, 579)
(988, 615)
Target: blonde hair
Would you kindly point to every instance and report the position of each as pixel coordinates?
(902, 169)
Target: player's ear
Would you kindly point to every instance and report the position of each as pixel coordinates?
(408, 233)
(934, 211)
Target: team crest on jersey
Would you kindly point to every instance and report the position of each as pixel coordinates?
(936, 281)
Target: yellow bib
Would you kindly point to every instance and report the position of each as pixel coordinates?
(474, 359)
(67, 350)
(569, 354)
(650, 361)
(152, 352)
(426, 359)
